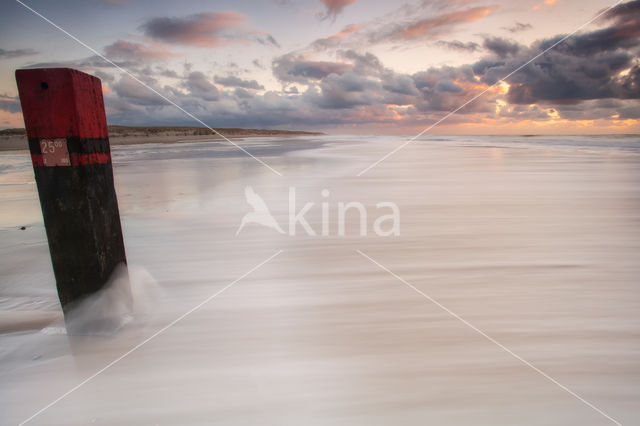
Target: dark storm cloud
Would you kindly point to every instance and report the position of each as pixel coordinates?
(563, 78)
(485, 66)
(346, 91)
(400, 84)
(501, 47)
(623, 32)
(599, 64)
(625, 12)
(606, 39)
(291, 69)
(448, 86)
(16, 53)
(233, 81)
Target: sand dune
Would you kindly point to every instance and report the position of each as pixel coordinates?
(16, 139)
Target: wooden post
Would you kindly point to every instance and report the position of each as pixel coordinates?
(69, 143)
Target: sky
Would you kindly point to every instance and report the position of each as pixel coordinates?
(342, 66)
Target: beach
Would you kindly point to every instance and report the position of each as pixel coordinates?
(509, 295)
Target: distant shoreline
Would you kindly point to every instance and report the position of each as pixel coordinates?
(16, 139)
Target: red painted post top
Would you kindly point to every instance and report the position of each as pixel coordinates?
(61, 103)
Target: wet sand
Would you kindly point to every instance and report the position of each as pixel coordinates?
(536, 243)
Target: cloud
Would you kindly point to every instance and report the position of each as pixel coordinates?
(336, 39)
(601, 64)
(432, 26)
(570, 80)
(268, 41)
(91, 64)
(501, 47)
(334, 7)
(362, 63)
(104, 76)
(585, 78)
(545, 4)
(130, 90)
(630, 112)
(458, 45)
(361, 82)
(625, 12)
(518, 27)
(448, 86)
(131, 51)
(399, 84)
(9, 103)
(168, 73)
(16, 53)
(406, 24)
(113, 2)
(233, 81)
(346, 91)
(199, 86)
(623, 31)
(241, 93)
(206, 29)
(291, 69)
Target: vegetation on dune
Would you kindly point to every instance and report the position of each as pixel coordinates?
(125, 131)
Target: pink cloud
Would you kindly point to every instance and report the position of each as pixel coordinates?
(431, 26)
(545, 3)
(335, 7)
(337, 38)
(346, 31)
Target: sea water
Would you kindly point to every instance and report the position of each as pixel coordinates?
(510, 295)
